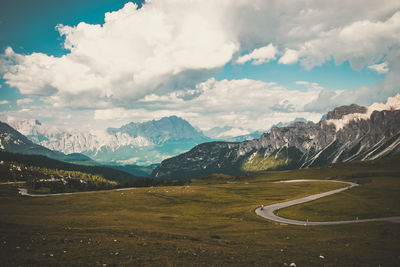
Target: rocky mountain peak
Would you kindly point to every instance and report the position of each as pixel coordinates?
(31, 122)
(341, 111)
(360, 134)
(162, 130)
(27, 124)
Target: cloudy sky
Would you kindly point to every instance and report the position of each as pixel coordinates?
(250, 64)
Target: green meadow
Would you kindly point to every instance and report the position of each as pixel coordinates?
(209, 223)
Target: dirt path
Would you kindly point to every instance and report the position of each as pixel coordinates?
(24, 192)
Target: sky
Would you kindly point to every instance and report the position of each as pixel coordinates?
(249, 64)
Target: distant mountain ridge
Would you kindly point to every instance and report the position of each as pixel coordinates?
(13, 141)
(160, 131)
(140, 143)
(73, 141)
(352, 133)
(134, 143)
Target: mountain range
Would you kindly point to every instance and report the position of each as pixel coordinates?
(134, 143)
(143, 143)
(349, 133)
(13, 141)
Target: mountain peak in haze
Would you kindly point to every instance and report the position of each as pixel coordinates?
(31, 122)
(170, 128)
(28, 123)
(141, 143)
(13, 141)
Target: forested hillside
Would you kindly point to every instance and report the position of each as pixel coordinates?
(44, 175)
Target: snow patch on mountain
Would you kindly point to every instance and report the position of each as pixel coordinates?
(34, 130)
(393, 103)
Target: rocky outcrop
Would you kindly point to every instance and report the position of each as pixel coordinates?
(339, 112)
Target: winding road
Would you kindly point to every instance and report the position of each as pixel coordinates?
(268, 211)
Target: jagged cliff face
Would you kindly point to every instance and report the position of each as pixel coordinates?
(299, 145)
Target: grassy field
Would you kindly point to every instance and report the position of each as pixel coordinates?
(211, 223)
(378, 196)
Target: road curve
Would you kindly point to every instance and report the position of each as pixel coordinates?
(268, 211)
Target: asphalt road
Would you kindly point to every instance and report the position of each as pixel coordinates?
(268, 211)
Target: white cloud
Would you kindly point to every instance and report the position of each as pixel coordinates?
(24, 101)
(289, 57)
(158, 47)
(380, 68)
(113, 114)
(4, 102)
(365, 95)
(302, 83)
(233, 132)
(137, 115)
(64, 118)
(310, 85)
(155, 60)
(259, 55)
(361, 42)
(239, 103)
(186, 42)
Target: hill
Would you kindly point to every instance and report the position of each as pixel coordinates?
(48, 163)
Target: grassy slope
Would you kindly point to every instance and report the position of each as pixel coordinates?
(260, 163)
(211, 222)
(379, 195)
(45, 162)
